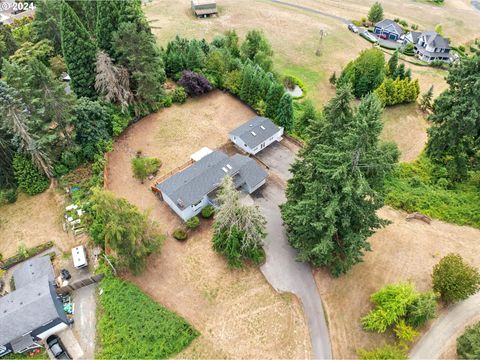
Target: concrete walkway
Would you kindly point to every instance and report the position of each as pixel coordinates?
(281, 269)
(447, 328)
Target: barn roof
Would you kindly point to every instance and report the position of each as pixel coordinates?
(256, 131)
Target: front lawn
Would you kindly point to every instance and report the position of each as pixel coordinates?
(133, 326)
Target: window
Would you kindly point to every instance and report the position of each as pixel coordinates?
(253, 133)
(262, 127)
(229, 166)
(224, 169)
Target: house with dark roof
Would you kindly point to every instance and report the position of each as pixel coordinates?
(256, 134)
(190, 190)
(429, 46)
(388, 29)
(33, 311)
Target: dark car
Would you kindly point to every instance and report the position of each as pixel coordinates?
(57, 348)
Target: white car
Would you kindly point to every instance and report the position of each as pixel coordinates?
(352, 28)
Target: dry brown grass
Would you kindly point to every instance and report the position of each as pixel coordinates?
(402, 251)
(237, 312)
(31, 221)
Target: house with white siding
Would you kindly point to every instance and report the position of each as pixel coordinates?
(190, 190)
(429, 46)
(256, 134)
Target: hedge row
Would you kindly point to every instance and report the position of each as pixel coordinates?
(24, 255)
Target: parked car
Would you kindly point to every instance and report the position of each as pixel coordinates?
(352, 28)
(57, 348)
(369, 37)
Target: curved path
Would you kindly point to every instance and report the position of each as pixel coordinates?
(447, 327)
(281, 269)
(315, 11)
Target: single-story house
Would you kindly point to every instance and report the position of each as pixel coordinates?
(190, 190)
(388, 29)
(203, 8)
(429, 45)
(256, 134)
(33, 311)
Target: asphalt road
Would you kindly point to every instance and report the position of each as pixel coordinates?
(281, 269)
(447, 328)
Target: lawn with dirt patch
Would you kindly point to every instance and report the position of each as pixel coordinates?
(31, 221)
(237, 312)
(404, 250)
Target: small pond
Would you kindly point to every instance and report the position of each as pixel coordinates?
(295, 92)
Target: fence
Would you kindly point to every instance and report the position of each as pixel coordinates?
(79, 284)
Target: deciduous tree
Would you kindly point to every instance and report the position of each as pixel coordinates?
(376, 13)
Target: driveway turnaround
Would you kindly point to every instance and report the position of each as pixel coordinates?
(281, 269)
(447, 327)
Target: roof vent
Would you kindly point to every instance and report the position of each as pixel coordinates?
(229, 166)
(253, 133)
(262, 127)
(224, 169)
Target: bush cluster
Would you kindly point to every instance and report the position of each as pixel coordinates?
(179, 95)
(208, 211)
(145, 166)
(468, 345)
(180, 234)
(28, 177)
(193, 223)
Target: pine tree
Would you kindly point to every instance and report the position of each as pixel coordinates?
(336, 187)
(376, 13)
(46, 23)
(454, 138)
(392, 64)
(284, 115)
(426, 100)
(79, 52)
(107, 23)
(308, 116)
(274, 94)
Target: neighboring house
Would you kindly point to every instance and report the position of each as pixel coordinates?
(204, 8)
(190, 190)
(33, 311)
(388, 29)
(256, 134)
(429, 45)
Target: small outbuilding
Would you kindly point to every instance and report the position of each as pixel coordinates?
(256, 134)
(204, 8)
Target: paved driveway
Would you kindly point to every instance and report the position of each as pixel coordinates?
(281, 269)
(447, 327)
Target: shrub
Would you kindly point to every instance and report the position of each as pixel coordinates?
(180, 234)
(167, 101)
(144, 166)
(194, 83)
(386, 352)
(468, 345)
(130, 322)
(119, 123)
(422, 309)
(8, 196)
(454, 279)
(28, 178)
(208, 211)
(179, 95)
(405, 333)
(193, 223)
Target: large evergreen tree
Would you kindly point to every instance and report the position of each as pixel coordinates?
(454, 138)
(284, 115)
(337, 185)
(107, 22)
(274, 94)
(79, 52)
(46, 23)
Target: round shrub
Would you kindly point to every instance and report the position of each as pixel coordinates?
(179, 95)
(193, 223)
(180, 234)
(167, 101)
(8, 196)
(208, 211)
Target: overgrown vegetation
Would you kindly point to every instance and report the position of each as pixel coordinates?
(425, 187)
(132, 325)
(145, 166)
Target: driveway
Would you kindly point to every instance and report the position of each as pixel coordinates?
(447, 328)
(281, 269)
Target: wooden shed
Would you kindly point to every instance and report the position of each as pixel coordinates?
(204, 8)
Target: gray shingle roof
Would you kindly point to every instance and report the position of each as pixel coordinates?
(387, 22)
(190, 185)
(28, 308)
(435, 40)
(32, 270)
(262, 127)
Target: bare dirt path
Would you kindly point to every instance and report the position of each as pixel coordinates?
(281, 269)
(447, 328)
